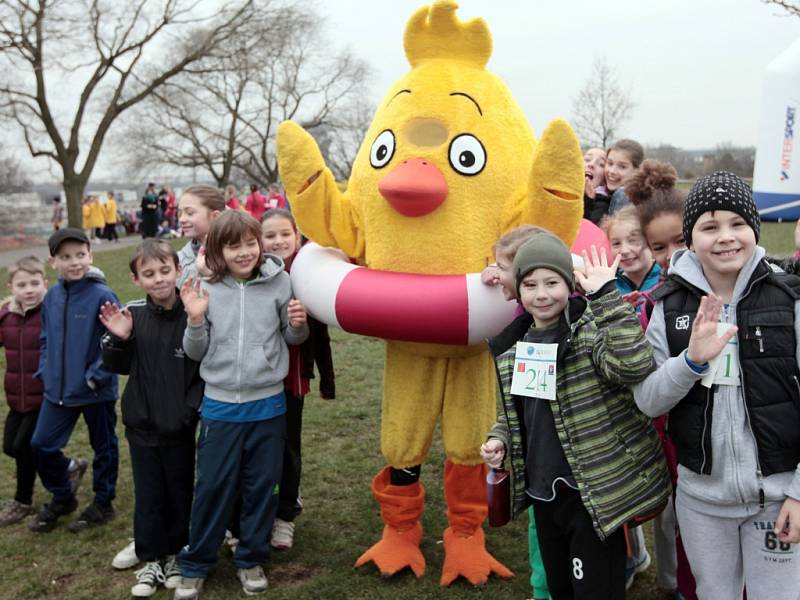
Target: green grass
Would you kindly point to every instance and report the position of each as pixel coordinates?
(340, 519)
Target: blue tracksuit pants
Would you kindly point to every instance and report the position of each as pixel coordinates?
(234, 456)
(52, 433)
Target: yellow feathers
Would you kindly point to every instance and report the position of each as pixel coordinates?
(435, 32)
(448, 165)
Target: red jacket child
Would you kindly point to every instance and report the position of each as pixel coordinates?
(19, 333)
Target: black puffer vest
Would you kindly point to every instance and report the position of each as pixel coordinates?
(769, 373)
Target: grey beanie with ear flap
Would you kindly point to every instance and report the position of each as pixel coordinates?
(544, 250)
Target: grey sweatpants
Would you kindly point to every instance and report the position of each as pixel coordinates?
(664, 542)
(726, 554)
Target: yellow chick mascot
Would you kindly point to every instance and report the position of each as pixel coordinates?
(448, 165)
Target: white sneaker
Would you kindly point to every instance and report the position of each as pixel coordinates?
(147, 580)
(126, 558)
(189, 588)
(253, 580)
(282, 535)
(172, 573)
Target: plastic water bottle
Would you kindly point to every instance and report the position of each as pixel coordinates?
(498, 493)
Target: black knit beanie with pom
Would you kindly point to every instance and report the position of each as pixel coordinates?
(720, 191)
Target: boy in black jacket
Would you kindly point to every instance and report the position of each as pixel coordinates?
(159, 410)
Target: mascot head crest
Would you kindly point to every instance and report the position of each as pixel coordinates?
(435, 32)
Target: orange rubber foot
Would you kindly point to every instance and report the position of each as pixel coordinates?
(396, 551)
(467, 557)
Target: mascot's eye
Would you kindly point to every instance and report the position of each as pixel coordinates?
(382, 149)
(467, 155)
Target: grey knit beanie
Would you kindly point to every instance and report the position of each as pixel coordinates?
(544, 250)
(719, 191)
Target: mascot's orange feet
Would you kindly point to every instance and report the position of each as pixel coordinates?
(464, 542)
(396, 551)
(467, 557)
(401, 507)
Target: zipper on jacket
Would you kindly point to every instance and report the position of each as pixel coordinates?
(22, 364)
(64, 345)
(705, 428)
(726, 312)
(759, 475)
(241, 343)
(510, 462)
(797, 385)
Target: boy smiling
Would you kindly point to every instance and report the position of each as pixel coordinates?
(75, 384)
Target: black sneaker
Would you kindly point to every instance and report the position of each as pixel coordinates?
(76, 471)
(92, 516)
(47, 517)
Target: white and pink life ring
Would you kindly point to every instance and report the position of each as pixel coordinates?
(411, 307)
(441, 309)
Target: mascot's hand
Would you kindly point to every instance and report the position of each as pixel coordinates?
(299, 160)
(322, 212)
(555, 187)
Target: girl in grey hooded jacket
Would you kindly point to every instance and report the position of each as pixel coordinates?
(239, 323)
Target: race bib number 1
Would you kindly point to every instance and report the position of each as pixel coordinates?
(535, 370)
(724, 369)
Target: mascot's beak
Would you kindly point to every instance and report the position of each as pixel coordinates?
(414, 188)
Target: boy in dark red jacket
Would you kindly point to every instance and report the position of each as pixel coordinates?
(20, 327)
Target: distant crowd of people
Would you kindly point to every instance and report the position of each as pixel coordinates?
(158, 211)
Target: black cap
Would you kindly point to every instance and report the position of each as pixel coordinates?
(62, 235)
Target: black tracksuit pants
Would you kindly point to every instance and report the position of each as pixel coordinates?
(163, 479)
(289, 503)
(579, 566)
(321, 347)
(17, 436)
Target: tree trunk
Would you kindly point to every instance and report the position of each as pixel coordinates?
(73, 190)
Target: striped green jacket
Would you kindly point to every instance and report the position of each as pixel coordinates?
(611, 447)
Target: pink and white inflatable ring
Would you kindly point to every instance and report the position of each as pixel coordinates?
(440, 309)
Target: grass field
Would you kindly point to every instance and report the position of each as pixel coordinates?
(340, 519)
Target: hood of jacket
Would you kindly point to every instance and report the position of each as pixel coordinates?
(686, 265)
(16, 308)
(93, 275)
(271, 268)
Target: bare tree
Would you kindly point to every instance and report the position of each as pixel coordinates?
(13, 177)
(793, 8)
(601, 106)
(222, 116)
(112, 54)
(302, 86)
(195, 120)
(182, 126)
(339, 143)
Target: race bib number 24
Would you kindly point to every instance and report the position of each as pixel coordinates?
(535, 370)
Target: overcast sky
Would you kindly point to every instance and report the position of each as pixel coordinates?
(694, 68)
